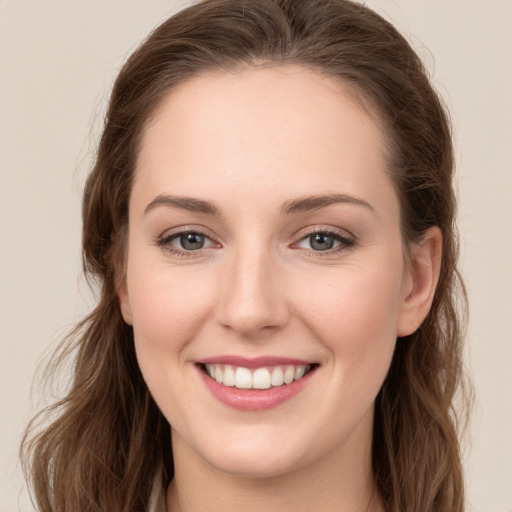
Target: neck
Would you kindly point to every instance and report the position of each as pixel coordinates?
(332, 484)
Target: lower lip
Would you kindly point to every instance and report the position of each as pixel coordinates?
(255, 399)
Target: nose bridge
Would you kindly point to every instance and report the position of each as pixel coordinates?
(253, 300)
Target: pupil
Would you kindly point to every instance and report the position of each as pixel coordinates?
(191, 241)
(321, 242)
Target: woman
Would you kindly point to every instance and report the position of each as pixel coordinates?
(270, 221)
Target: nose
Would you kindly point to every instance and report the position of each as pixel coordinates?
(254, 300)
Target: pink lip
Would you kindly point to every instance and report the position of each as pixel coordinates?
(254, 399)
(252, 363)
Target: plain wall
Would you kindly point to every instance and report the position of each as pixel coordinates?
(57, 62)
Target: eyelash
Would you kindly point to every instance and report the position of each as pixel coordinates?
(346, 242)
(165, 242)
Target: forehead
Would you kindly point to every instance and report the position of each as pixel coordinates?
(286, 130)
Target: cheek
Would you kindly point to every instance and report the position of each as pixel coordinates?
(355, 318)
(168, 307)
(358, 301)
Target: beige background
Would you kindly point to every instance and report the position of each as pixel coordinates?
(57, 61)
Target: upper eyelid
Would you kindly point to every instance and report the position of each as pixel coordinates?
(342, 233)
(172, 232)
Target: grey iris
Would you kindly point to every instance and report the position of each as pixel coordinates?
(192, 241)
(321, 241)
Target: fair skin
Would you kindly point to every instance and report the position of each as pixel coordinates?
(263, 224)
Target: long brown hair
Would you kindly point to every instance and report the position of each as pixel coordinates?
(108, 445)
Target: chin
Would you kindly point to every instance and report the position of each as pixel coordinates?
(255, 456)
(249, 465)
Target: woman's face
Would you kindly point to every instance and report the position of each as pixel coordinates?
(264, 243)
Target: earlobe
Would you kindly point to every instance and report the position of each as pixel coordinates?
(124, 302)
(421, 281)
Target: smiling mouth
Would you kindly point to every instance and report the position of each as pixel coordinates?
(258, 378)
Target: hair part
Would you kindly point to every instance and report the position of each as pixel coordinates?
(110, 443)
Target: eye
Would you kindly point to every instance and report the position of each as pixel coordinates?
(323, 241)
(185, 242)
(190, 241)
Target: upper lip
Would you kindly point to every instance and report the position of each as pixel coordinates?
(253, 362)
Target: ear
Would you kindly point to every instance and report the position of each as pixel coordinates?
(420, 281)
(124, 301)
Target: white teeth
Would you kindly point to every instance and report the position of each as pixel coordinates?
(261, 378)
(299, 372)
(229, 376)
(277, 376)
(289, 374)
(243, 378)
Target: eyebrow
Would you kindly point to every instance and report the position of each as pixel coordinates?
(305, 204)
(302, 204)
(185, 203)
